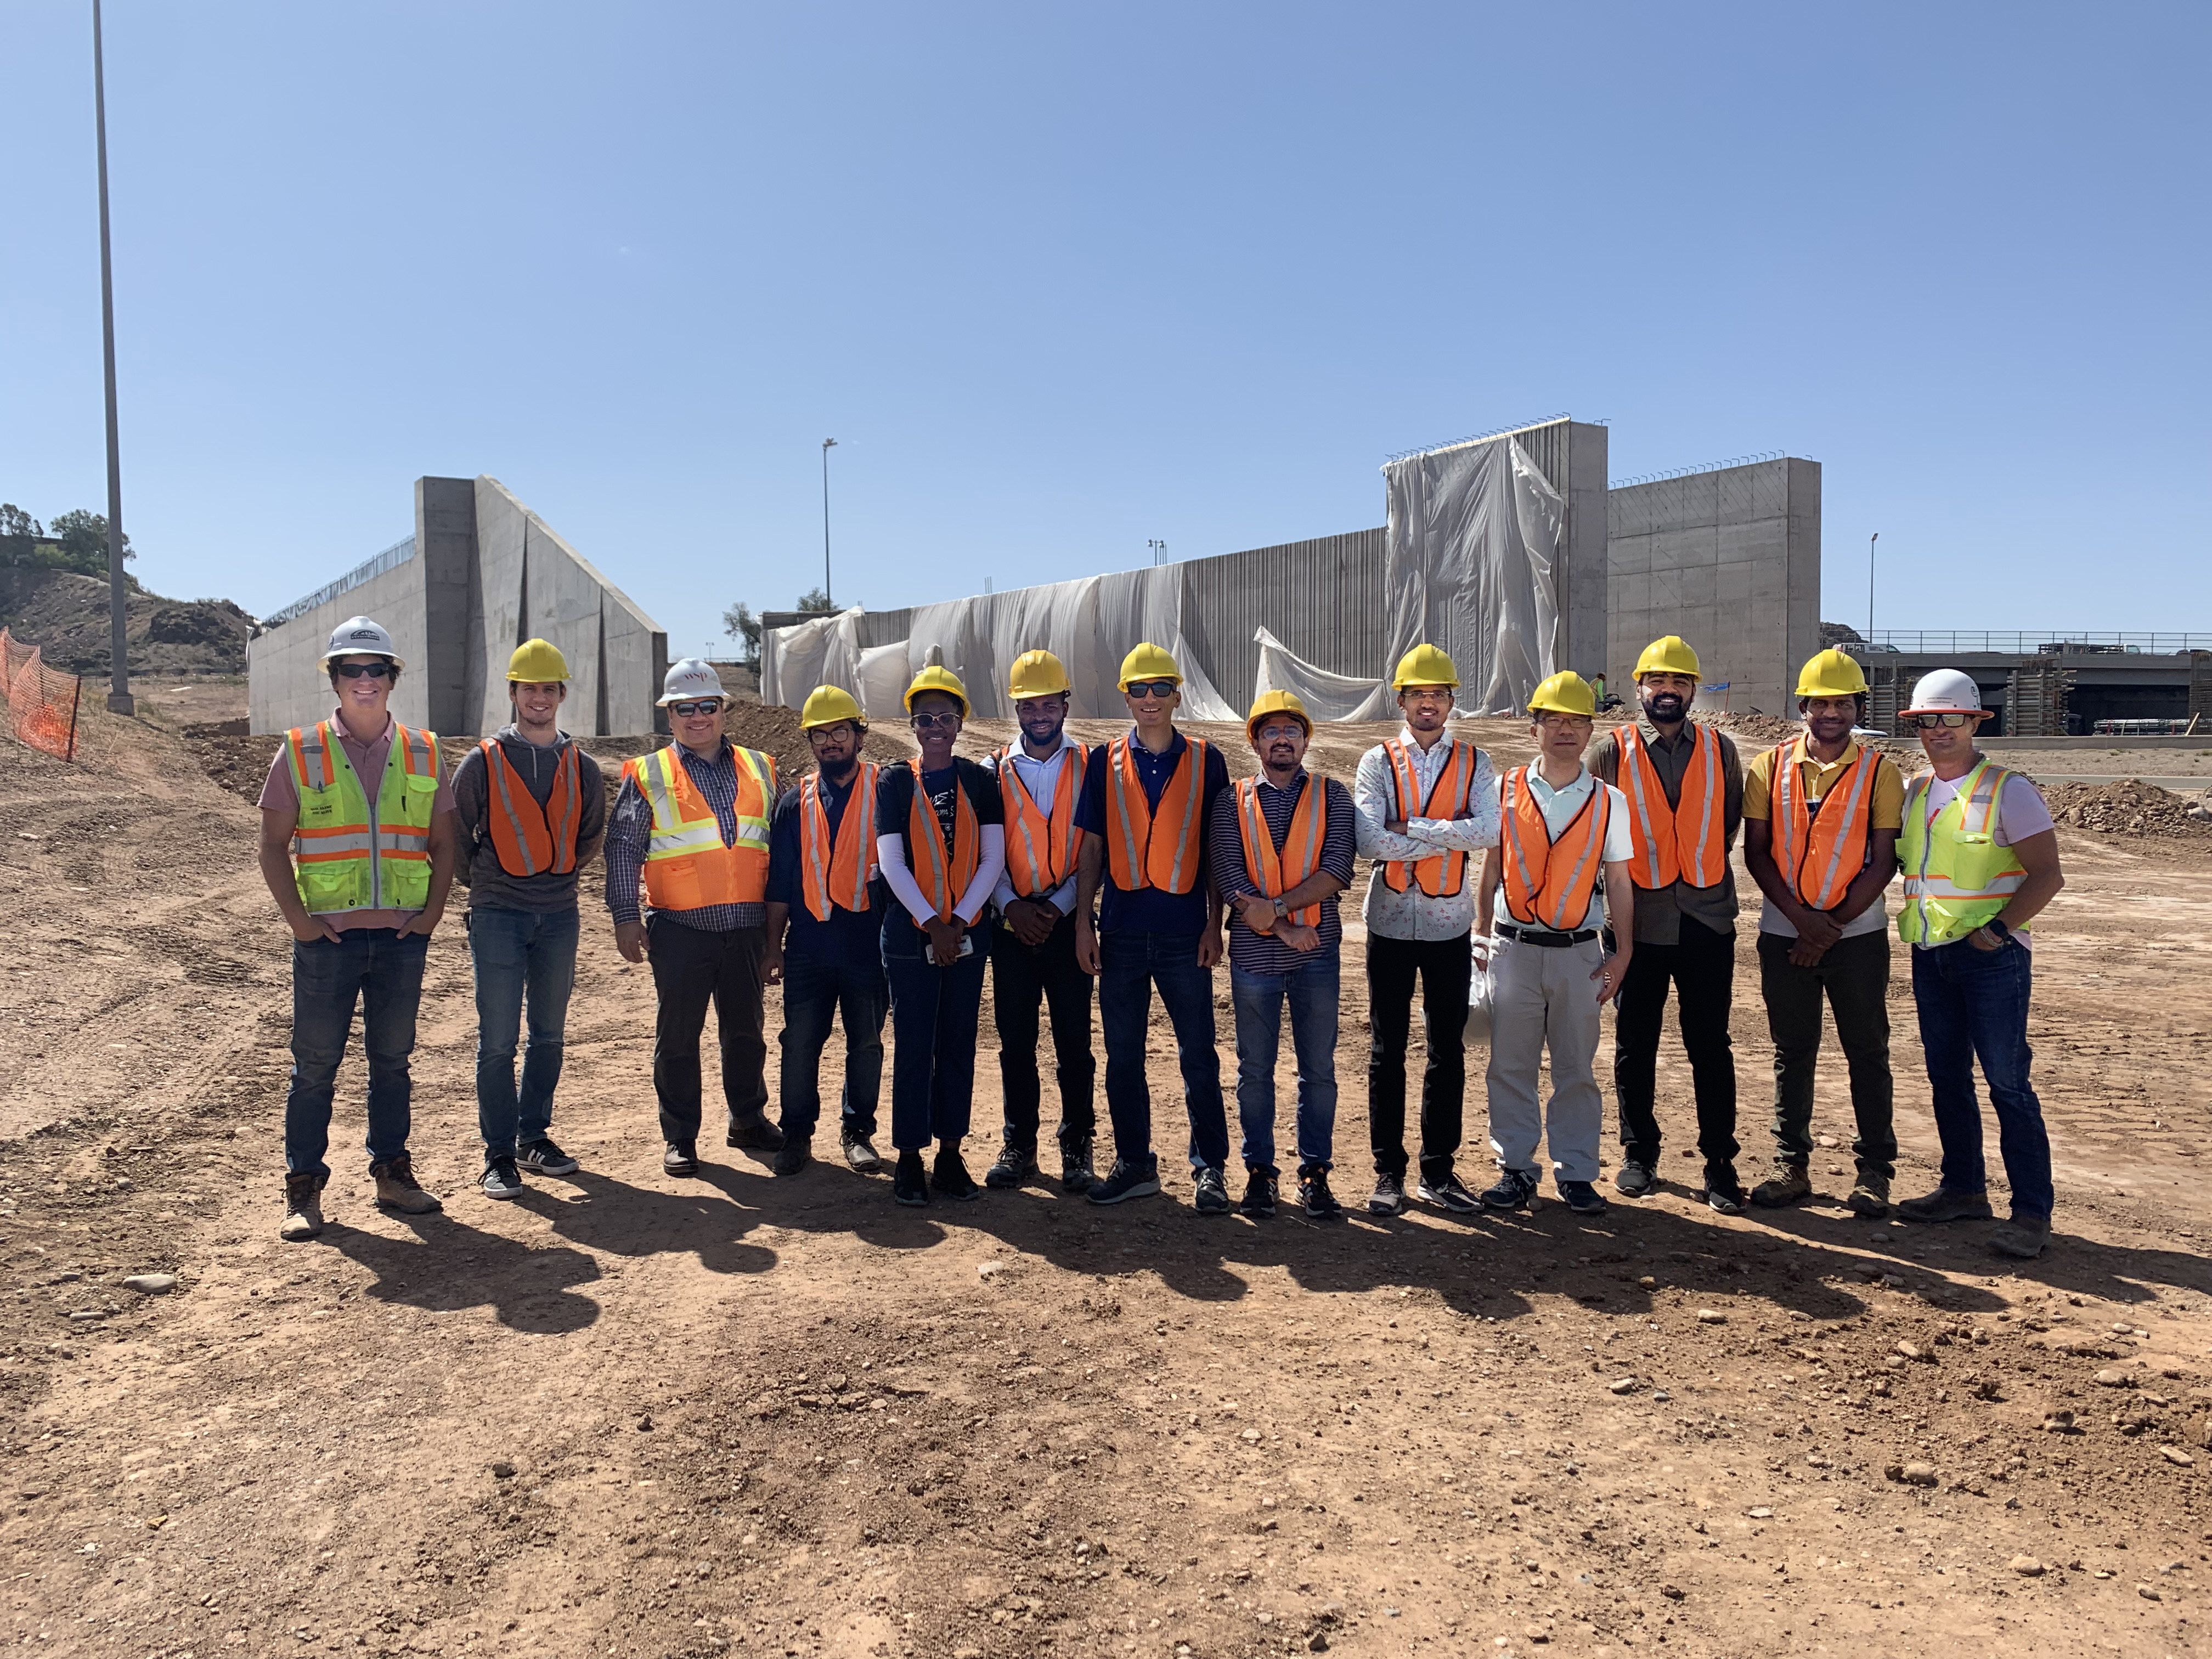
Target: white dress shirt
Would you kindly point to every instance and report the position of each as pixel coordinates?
(1041, 778)
(1412, 914)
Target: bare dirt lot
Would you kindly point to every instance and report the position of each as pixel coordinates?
(629, 1415)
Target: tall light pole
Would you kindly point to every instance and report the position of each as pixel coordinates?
(1160, 552)
(1871, 540)
(118, 684)
(828, 443)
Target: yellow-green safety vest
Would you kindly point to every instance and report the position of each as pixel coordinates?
(342, 860)
(1956, 876)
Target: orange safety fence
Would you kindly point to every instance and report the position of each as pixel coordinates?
(41, 701)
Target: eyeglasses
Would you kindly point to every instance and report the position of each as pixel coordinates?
(701, 706)
(1929, 722)
(948, 719)
(1160, 689)
(353, 671)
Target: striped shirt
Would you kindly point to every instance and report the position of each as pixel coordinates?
(1260, 953)
(630, 826)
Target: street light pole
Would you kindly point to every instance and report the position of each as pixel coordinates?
(118, 684)
(828, 443)
(1871, 540)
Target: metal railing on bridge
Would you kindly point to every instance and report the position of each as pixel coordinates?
(2046, 643)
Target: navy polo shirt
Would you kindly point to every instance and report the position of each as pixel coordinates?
(1148, 910)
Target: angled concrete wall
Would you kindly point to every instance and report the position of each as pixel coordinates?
(285, 685)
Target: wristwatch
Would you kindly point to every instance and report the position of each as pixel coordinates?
(1997, 929)
(1281, 909)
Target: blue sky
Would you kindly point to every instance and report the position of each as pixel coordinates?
(1062, 280)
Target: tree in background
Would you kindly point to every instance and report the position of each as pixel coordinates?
(79, 542)
(814, 603)
(84, 541)
(15, 523)
(741, 625)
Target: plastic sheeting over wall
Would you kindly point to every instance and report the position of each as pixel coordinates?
(1327, 696)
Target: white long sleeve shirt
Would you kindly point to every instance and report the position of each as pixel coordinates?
(1412, 914)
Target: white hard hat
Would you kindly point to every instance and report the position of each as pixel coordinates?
(688, 678)
(358, 636)
(1946, 691)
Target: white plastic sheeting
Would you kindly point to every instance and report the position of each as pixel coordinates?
(1327, 696)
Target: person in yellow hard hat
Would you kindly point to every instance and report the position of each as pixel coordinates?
(1683, 782)
(825, 934)
(1146, 810)
(1427, 812)
(1558, 871)
(1821, 819)
(532, 812)
(1033, 946)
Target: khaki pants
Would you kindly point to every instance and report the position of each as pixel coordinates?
(1544, 998)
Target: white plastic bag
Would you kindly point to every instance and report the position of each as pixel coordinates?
(1477, 1007)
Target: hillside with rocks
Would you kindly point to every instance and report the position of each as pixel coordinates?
(65, 615)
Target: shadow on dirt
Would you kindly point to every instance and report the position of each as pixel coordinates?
(448, 1266)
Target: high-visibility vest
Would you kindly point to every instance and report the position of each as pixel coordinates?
(1820, 855)
(1041, 849)
(687, 866)
(1549, 882)
(341, 864)
(1140, 858)
(1687, 842)
(837, 871)
(532, 840)
(942, 881)
(1956, 876)
(1275, 873)
(1443, 875)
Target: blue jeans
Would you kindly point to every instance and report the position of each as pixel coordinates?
(382, 972)
(1312, 990)
(933, 1014)
(1130, 964)
(814, 993)
(519, 953)
(1973, 1006)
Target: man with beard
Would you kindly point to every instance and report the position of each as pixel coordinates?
(1033, 946)
(1820, 821)
(1684, 786)
(824, 885)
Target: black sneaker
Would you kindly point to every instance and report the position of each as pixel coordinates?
(861, 1153)
(1212, 1195)
(1445, 1192)
(1126, 1180)
(756, 1133)
(681, 1158)
(500, 1179)
(543, 1156)
(1944, 1205)
(1390, 1195)
(1635, 1179)
(1516, 1190)
(951, 1175)
(1726, 1197)
(1259, 1195)
(1077, 1172)
(797, 1152)
(1314, 1194)
(1583, 1198)
(909, 1181)
(1016, 1164)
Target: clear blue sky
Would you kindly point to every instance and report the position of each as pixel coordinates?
(1063, 279)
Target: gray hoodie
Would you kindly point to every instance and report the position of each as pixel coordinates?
(490, 887)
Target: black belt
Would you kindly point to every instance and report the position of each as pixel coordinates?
(1550, 941)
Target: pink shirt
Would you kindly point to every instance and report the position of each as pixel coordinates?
(280, 795)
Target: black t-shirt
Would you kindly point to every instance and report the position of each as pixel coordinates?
(894, 788)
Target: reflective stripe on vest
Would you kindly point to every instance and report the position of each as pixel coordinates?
(1552, 888)
(1041, 851)
(687, 866)
(529, 839)
(1821, 853)
(837, 873)
(1658, 832)
(1443, 875)
(1140, 858)
(942, 882)
(1956, 876)
(1276, 873)
(347, 857)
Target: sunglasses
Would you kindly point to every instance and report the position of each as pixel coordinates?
(1929, 722)
(1161, 688)
(926, 722)
(701, 706)
(353, 671)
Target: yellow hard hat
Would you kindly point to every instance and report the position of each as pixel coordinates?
(1276, 702)
(1566, 693)
(1830, 674)
(1148, 662)
(828, 704)
(537, 662)
(1668, 654)
(1037, 674)
(1425, 665)
(936, 677)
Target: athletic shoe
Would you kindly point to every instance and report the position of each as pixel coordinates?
(543, 1156)
(1390, 1195)
(951, 1177)
(397, 1189)
(909, 1181)
(795, 1154)
(303, 1208)
(1446, 1193)
(1077, 1172)
(1126, 1180)
(681, 1158)
(1016, 1164)
(1788, 1184)
(1314, 1194)
(499, 1179)
(1212, 1196)
(1725, 1198)
(1943, 1205)
(1516, 1190)
(1583, 1198)
(1870, 1198)
(1259, 1195)
(1635, 1179)
(859, 1152)
(756, 1133)
(2023, 1236)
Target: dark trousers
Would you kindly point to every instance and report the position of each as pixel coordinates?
(1853, 977)
(382, 972)
(815, 992)
(1022, 977)
(1701, 969)
(691, 967)
(1130, 964)
(933, 1014)
(1973, 1006)
(1446, 967)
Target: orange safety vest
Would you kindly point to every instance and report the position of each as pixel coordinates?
(687, 866)
(1041, 851)
(1275, 873)
(1443, 875)
(1138, 858)
(1689, 841)
(1553, 888)
(941, 884)
(837, 873)
(532, 840)
(1820, 853)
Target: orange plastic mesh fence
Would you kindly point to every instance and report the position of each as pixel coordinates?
(41, 702)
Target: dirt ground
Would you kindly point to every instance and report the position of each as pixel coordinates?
(631, 1415)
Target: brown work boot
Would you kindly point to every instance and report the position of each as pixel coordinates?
(1944, 1205)
(2024, 1237)
(1788, 1184)
(1870, 1198)
(303, 1208)
(397, 1189)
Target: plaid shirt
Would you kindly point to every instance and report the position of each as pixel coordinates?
(630, 826)
(1263, 953)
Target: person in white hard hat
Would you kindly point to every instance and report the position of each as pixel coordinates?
(1981, 861)
(360, 880)
(691, 828)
